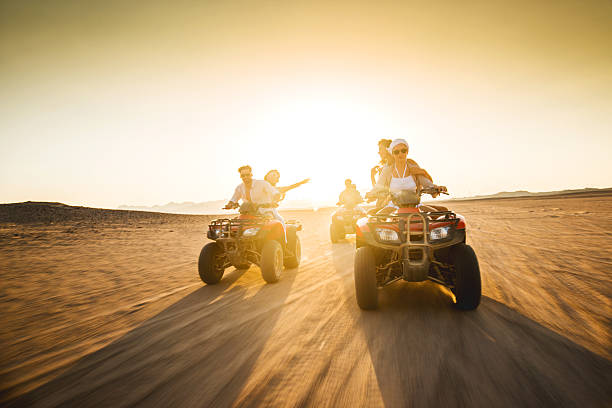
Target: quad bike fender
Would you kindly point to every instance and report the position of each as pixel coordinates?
(273, 230)
(461, 224)
(363, 235)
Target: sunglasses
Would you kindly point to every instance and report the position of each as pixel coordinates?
(398, 151)
(246, 175)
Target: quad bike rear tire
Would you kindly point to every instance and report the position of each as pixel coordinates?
(294, 248)
(365, 278)
(467, 277)
(271, 261)
(210, 271)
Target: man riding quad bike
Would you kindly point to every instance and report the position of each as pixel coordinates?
(344, 221)
(252, 237)
(415, 244)
(345, 217)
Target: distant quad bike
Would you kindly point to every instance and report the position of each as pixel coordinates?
(250, 238)
(344, 221)
(414, 244)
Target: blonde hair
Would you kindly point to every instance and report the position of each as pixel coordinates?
(388, 159)
(267, 176)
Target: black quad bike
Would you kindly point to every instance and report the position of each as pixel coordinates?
(344, 221)
(415, 244)
(250, 238)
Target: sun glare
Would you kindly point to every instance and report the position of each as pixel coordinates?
(326, 137)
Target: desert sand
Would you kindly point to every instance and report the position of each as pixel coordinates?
(106, 308)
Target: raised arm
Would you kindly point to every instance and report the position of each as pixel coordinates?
(283, 190)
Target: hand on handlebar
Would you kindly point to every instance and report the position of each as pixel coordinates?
(434, 191)
(376, 193)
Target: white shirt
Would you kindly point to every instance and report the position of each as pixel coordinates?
(262, 192)
(402, 182)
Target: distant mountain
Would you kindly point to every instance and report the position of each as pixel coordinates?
(215, 207)
(524, 193)
(187, 207)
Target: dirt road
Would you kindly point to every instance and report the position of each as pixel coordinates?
(113, 314)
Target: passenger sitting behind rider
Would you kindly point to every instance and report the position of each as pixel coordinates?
(385, 159)
(401, 174)
(350, 197)
(258, 192)
(272, 177)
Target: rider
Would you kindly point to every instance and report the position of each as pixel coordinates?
(385, 159)
(402, 173)
(273, 176)
(256, 191)
(350, 197)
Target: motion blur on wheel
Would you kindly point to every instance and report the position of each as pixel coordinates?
(344, 221)
(250, 238)
(415, 244)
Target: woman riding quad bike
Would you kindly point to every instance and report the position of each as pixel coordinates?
(252, 237)
(405, 240)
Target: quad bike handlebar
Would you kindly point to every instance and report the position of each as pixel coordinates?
(248, 206)
(435, 190)
(383, 193)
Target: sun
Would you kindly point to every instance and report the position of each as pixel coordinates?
(327, 137)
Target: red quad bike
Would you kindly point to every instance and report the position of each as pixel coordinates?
(415, 245)
(344, 221)
(249, 238)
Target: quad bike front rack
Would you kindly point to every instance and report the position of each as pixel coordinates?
(229, 227)
(415, 249)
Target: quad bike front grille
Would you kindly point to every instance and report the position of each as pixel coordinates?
(411, 224)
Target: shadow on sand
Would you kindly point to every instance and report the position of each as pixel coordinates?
(426, 353)
(198, 352)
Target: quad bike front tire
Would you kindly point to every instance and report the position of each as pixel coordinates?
(332, 234)
(467, 277)
(294, 248)
(210, 271)
(271, 261)
(336, 232)
(365, 278)
(340, 230)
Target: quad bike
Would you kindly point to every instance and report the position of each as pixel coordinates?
(415, 244)
(344, 221)
(250, 238)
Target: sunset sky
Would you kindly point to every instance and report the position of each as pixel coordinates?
(105, 103)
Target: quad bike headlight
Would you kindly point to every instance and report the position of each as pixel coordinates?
(214, 233)
(386, 234)
(439, 233)
(250, 232)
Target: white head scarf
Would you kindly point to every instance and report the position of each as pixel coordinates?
(397, 142)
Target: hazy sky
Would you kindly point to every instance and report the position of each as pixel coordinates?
(105, 103)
